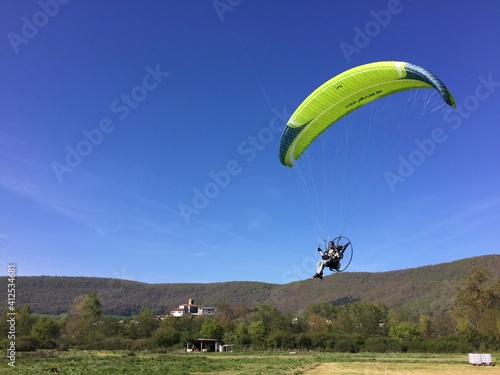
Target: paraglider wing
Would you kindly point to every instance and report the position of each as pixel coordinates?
(347, 92)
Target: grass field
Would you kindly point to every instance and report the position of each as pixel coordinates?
(276, 363)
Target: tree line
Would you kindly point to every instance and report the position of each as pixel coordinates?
(472, 324)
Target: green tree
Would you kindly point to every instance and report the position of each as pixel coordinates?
(405, 333)
(303, 341)
(82, 321)
(92, 307)
(109, 327)
(362, 319)
(224, 310)
(225, 317)
(295, 323)
(239, 311)
(281, 340)
(270, 316)
(319, 340)
(129, 329)
(324, 309)
(240, 334)
(87, 307)
(478, 293)
(489, 326)
(146, 323)
(424, 326)
(442, 324)
(317, 323)
(4, 324)
(24, 321)
(45, 331)
(185, 325)
(467, 333)
(166, 336)
(257, 332)
(211, 329)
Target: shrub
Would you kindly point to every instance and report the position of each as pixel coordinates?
(26, 344)
(447, 344)
(346, 346)
(381, 345)
(111, 343)
(142, 344)
(322, 340)
(303, 341)
(166, 337)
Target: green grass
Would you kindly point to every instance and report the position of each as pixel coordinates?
(276, 363)
(111, 363)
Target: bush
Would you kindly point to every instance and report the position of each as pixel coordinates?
(110, 343)
(165, 337)
(51, 344)
(142, 344)
(381, 345)
(63, 346)
(447, 344)
(303, 341)
(346, 346)
(322, 340)
(358, 341)
(26, 344)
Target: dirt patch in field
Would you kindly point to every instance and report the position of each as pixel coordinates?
(401, 369)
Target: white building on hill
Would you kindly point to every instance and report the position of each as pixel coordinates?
(191, 308)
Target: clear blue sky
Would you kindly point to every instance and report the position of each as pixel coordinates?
(116, 116)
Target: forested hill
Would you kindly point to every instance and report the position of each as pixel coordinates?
(424, 289)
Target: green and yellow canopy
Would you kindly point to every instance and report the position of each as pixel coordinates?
(347, 92)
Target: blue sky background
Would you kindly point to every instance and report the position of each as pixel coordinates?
(193, 96)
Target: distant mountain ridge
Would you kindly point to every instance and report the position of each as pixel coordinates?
(423, 290)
